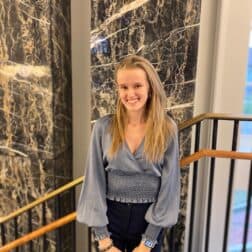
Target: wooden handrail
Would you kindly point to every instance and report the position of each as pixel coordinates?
(215, 153)
(39, 232)
(220, 116)
(71, 217)
(42, 199)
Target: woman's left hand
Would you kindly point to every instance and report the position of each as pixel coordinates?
(141, 248)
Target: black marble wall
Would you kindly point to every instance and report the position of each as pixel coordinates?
(35, 109)
(165, 32)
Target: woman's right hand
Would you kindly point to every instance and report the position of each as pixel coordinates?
(114, 249)
(104, 243)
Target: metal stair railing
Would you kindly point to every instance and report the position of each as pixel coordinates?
(212, 153)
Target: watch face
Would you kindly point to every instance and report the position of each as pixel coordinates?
(149, 244)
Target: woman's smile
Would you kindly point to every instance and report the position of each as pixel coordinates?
(133, 101)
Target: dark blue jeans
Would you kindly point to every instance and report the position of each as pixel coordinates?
(127, 224)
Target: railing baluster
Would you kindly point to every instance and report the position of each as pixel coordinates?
(16, 230)
(3, 234)
(211, 179)
(194, 186)
(30, 228)
(73, 223)
(247, 215)
(58, 214)
(171, 241)
(89, 240)
(44, 223)
(230, 186)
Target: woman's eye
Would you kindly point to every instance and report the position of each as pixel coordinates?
(138, 86)
(123, 87)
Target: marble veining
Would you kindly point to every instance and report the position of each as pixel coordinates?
(165, 32)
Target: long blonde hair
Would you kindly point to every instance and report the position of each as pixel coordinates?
(159, 127)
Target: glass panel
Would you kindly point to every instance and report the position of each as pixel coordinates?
(240, 192)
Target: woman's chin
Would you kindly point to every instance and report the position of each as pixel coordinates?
(134, 108)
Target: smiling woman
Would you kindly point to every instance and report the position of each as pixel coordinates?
(132, 180)
(133, 89)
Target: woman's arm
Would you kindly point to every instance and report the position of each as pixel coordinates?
(92, 206)
(164, 212)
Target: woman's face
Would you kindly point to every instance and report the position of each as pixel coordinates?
(133, 89)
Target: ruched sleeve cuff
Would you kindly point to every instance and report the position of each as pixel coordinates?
(152, 232)
(100, 232)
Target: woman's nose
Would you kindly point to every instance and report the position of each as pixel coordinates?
(131, 92)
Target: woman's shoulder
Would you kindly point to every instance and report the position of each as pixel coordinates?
(104, 119)
(103, 122)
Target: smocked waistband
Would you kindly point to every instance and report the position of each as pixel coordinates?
(133, 188)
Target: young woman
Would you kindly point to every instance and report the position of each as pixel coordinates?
(131, 189)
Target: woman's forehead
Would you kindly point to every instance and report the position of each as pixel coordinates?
(130, 74)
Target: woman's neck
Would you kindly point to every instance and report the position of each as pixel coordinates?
(135, 119)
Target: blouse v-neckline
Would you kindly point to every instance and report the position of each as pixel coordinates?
(137, 149)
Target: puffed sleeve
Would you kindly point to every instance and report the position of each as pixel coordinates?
(164, 211)
(92, 206)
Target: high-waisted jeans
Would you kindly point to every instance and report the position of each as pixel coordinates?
(127, 224)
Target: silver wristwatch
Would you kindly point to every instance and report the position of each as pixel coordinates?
(149, 243)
